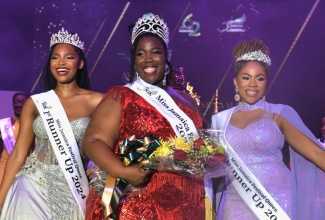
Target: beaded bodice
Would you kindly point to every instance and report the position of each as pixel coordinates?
(43, 153)
(43, 163)
(43, 148)
(259, 146)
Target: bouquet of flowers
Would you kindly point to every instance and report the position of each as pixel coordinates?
(204, 156)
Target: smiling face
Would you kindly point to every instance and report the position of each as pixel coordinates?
(17, 103)
(251, 82)
(150, 60)
(65, 63)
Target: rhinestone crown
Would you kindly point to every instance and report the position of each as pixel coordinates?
(255, 55)
(153, 24)
(63, 36)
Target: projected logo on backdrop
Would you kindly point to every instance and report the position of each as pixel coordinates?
(189, 26)
(236, 25)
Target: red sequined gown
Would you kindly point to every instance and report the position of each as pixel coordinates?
(167, 195)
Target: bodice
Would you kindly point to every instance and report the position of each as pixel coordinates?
(43, 149)
(251, 142)
(140, 118)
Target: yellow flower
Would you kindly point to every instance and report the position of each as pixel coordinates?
(210, 148)
(162, 151)
(181, 144)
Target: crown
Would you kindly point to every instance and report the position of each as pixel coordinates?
(64, 36)
(153, 24)
(255, 55)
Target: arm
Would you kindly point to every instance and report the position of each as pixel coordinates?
(23, 144)
(301, 143)
(100, 139)
(1, 144)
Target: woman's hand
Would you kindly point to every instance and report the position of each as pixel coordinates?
(135, 175)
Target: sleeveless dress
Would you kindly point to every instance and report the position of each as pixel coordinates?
(168, 195)
(40, 190)
(251, 144)
(299, 191)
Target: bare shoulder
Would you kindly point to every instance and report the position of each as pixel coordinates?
(29, 106)
(29, 110)
(92, 97)
(96, 96)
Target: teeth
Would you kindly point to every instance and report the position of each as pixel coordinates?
(252, 92)
(149, 69)
(62, 70)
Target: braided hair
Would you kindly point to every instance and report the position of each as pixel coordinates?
(247, 47)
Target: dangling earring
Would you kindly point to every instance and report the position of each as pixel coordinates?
(137, 76)
(263, 98)
(237, 96)
(165, 74)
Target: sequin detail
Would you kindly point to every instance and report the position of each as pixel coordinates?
(167, 195)
(60, 199)
(251, 144)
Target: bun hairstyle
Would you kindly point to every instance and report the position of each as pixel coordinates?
(254, 50)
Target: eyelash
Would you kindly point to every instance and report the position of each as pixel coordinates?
(154, 52)
(258, 79)
(68, 58)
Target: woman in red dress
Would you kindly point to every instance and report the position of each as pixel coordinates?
(138, 108)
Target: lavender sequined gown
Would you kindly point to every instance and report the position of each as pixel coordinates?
(259, 146)
(40, 190)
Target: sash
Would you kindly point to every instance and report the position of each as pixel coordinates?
(246, 184)
(64, 144)
(180, 122)
(159, 98)
(7, 134)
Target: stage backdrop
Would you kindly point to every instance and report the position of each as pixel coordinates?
(6, 109)
(202, 35)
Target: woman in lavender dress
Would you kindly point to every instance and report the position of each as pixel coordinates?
(254, 132)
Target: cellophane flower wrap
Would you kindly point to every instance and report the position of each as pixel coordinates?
(202, 157)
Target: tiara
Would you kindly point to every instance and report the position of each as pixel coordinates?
(153, 24)
(64, 36)
(255, 55)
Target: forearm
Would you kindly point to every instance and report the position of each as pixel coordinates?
(104, 157)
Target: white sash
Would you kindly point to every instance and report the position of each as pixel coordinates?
(7, 134)
(159, 98)
(246, 184)
(64, 144)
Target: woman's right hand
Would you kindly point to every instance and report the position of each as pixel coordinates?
(135, 175)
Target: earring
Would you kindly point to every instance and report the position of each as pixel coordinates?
(237, 96)
(137, 76)
(263, 98)
(166, 72)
